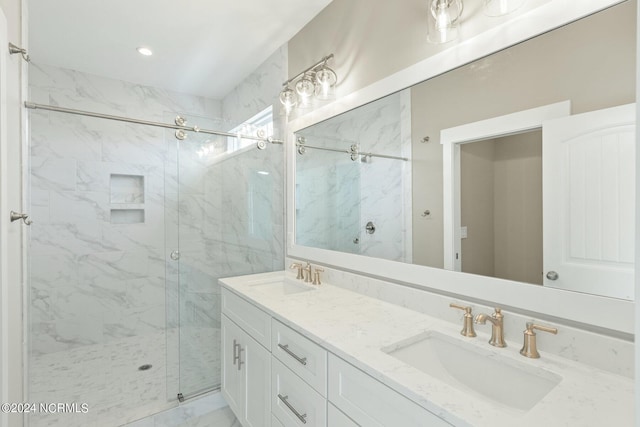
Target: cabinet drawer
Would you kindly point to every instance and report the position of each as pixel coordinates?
(370, 403)
(335, 418)
(294, 402)
(304, 357)
(254, 321)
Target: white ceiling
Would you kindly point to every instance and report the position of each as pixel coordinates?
(201, 47)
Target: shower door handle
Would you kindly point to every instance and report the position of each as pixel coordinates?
(175, 255)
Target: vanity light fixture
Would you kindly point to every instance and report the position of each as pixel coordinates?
(288, 99)
(305, 88)
(316, 82)
(443, 20)
(444, 16)
(501, 7)
(145, 51)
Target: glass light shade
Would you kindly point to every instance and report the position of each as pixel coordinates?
(288, 99)
(326, 80)
(305, 87)
(443, 20)
(501, 7)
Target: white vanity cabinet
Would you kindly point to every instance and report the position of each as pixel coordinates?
(335, 418)
(304, 357)
(293, 401)
(299, 378)
(246, 363)
(246, 379)
(275, 376)
(370, 403)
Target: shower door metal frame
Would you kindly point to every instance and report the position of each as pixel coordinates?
(259, 139)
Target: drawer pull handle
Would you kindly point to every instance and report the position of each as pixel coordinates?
(285, 348)
(240, 362)
(302, 417)
(237, 354)
(236, 357)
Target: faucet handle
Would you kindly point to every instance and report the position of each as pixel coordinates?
(530, 348)
(299, 267)
(316, 276)
(467, 328)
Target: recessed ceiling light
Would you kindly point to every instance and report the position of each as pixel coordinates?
(144, 51)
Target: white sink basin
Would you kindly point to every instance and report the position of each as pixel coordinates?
(280, 286)
(472, 369)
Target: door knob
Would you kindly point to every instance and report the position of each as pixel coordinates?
(552, 275)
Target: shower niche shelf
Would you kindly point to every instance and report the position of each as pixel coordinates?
(126, 194)
(127, 188)
(127, 216)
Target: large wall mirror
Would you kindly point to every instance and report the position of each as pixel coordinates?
(518, 166)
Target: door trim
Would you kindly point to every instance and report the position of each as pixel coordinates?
(451, 140)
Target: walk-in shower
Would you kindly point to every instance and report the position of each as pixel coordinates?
(133, 224)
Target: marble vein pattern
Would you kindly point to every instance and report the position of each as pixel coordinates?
(207, 411)
(100, 275)
(592, 348)
(336, 197)
(361, 329)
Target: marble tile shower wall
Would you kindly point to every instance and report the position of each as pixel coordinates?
(241, 198)
(336, 197)
(92, 280)
(253, 201)
(327, 199)
(97, 283)
(230, 224)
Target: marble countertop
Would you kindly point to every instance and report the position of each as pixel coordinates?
(356, 328)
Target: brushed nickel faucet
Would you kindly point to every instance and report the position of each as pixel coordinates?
(497, 327)
(300, 268)
(307, 273)
(467, 326)
(529, 348)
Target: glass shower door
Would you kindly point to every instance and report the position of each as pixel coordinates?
(192, 246)
(226, 219)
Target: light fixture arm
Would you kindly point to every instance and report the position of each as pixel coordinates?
(323, 61)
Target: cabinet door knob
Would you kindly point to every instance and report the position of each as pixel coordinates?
(552, 275)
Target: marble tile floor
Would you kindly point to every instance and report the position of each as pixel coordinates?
(199, 359)
(207, 411)
(106, 377)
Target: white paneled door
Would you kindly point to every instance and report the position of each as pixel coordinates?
(589, 202)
